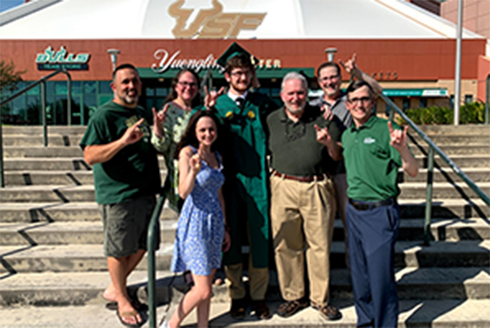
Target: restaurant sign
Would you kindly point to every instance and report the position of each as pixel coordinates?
(61, 59)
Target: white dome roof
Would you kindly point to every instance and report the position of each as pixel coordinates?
(266, 19)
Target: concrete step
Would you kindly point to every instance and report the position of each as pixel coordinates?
(451, 150)
(454, 139)
(24, 178)
(88, 232)
(86, 193)
(72, 288)
(58, 212)
(462, 161)
(466, 129)
(441, 190)
(43, 164)
(37, 140)
(20, 178)
(66, 233)
(42, 152)
(21, 212)
(82, 258)
(55, 164)
(413, 313)
(53, 193)
(478, 174)
(38, 130)
(444, 208)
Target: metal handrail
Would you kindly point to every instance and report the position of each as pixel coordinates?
(433, 149)
(153, 231)
(41, 81)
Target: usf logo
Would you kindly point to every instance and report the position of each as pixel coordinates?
(211, 23)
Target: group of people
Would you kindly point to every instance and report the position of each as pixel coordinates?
(243, 170)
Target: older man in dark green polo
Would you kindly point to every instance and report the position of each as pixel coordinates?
(302, 198)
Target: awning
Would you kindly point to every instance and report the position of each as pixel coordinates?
(415, 92)
(276, 73)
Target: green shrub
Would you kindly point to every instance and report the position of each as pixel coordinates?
(471, 113)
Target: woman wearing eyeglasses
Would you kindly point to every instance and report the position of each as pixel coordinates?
(173, 118)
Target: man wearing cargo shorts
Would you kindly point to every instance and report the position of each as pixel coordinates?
(126, 175)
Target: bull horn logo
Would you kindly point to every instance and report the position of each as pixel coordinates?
(182, 15)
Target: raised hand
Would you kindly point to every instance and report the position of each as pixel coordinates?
(398, 138)
(160, 117)
(350, 66)
(195, 163)
(211, 97)
(133, 133)
(327, 112)
(323, 136)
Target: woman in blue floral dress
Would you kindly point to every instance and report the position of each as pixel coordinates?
(201, 233)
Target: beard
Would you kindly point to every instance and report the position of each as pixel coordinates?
(295, 111)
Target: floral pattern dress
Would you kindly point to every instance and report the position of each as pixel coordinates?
(176, 121)
(200, 230)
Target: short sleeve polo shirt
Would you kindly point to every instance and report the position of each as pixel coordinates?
(293, 145)
(372, 163)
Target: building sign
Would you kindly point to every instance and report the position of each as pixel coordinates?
(211, 23)
(167, 60)
(53, 60)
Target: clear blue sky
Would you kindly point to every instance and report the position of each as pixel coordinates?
(7, 4)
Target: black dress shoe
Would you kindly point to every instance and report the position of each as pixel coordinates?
(289, 308)
(237, 310)
(261, 310)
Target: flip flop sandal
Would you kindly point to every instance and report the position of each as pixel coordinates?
(138, 306)
(126, 315)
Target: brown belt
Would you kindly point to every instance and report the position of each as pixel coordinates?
(299, 179)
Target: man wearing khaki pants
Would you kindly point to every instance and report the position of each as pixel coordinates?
(302, 198)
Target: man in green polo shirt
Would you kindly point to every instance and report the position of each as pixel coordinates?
(127, 177)
(302, 198)
(374, 150)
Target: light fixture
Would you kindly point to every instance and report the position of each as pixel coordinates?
(330, 53)
(113, 53)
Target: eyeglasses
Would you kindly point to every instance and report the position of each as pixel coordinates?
(187, 84)
(327, 78)
(240, 73)
(364, 100)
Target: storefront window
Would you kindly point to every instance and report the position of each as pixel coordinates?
(423, 103)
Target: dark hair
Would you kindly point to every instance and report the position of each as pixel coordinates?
(173, 94)
(328, 64)
(359, 84)
(123, 66)
(189, 136)
(239, 61)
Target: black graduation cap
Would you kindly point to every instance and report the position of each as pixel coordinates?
(234, 50)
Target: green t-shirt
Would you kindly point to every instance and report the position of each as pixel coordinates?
(133, 171)
(371, 162)
(293, 145)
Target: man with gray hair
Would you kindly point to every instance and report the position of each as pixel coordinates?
(302, 198)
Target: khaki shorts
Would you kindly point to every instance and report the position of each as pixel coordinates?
(126, 226)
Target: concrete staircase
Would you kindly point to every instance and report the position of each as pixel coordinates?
(51, 241)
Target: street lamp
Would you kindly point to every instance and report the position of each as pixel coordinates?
(330, 53)
(113, 53)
